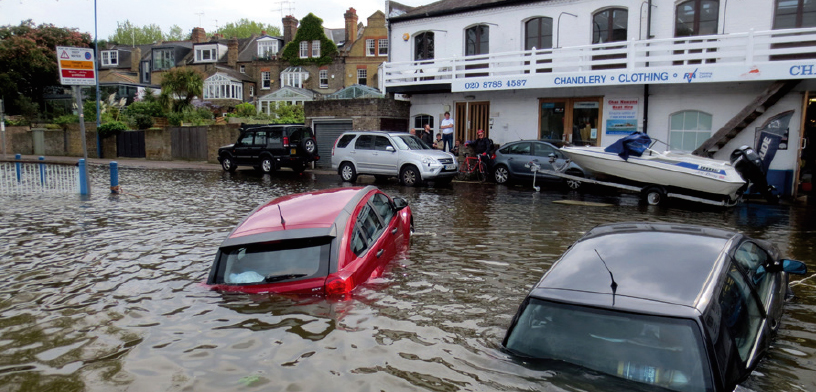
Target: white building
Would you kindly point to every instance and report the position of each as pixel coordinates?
(695, 74)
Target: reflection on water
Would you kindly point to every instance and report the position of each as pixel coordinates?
(105, 294)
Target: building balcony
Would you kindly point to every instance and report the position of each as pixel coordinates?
(750, 56)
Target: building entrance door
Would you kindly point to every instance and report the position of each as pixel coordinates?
(573, 120)
(470, 117)
(807, 151)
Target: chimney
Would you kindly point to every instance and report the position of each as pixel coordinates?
(289, 29)
(351, 27)
(232, 52)
(135, 59)
(199, 35)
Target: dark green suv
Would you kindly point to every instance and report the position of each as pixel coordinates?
(270, 147)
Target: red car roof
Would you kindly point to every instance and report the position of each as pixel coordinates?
(317, 209)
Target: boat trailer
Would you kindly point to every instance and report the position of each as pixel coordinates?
(651, 194)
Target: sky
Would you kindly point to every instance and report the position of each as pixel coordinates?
(186, 14)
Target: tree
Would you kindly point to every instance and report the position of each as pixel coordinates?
(311, 29)
(129, 34)
(176, 34)
(244, 28)
(181, 85)
(28, 61)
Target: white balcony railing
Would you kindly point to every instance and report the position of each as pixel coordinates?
(777, 54)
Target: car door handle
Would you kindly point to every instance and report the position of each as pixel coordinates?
(394, 230)
(380, 252)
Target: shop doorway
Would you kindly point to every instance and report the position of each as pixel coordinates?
(470, 117)
(572, 120)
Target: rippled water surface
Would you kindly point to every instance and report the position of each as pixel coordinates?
(105, 293)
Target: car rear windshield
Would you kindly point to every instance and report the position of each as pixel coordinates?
(271, 262)
(410, 142)
(654, 350)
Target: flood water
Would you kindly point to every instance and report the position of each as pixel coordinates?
(105, 294)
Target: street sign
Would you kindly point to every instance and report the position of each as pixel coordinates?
(76, 66)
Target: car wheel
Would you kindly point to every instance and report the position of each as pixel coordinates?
(654, 195)
(309, 146)
(410, 176)
(573, 184)
(347, 172)
(227, 164)
(501, 174)
(267, 166)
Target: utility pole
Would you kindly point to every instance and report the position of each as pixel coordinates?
(3, 126)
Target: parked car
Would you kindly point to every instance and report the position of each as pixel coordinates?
(513, 159)
(391, 154)
(321, 242)
(270, 147)
(683, 307)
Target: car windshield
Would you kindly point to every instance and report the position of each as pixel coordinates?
(654, 350)
(275, 261)
(410, 142)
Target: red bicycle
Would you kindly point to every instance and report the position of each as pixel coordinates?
(472, 167)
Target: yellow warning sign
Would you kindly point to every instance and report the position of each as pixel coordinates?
(68, 64)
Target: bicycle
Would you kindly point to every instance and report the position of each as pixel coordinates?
(472, 166)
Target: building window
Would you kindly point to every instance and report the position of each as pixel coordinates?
(477, 40)
(145, 71)
(251, 91)
(696, 17)
(163, 59)
(110, 57)
(294, 77)
(242, 68)
(424, 46)
(688, 130)
(610, 25)
(304, 49)
(382, 47)
(794, 14)
(220, 87)
(371, 47)
(266, 80)
(323, 75)
(315, 48)
(422, 119)
(267, 49)
(538, 33)
(206, 55)
(361, 76)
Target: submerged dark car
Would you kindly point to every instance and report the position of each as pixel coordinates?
(513, 162)
(686, 308)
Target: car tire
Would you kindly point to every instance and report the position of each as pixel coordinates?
(347, 172)
(267, 164)
(409, 176)
(501, 175)
(298, 167)
(309, 147)
(654, 195)
(227, 164)
(573, 184)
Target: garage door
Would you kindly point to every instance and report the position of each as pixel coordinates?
(327, 133)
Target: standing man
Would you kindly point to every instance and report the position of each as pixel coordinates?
(427, 136)
(447, 132)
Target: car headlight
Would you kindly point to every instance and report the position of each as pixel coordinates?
(428, 160)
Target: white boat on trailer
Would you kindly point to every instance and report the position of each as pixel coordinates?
(660, 175)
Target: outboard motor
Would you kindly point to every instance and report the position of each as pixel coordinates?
(749, 166)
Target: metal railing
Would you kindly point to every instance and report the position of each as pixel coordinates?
(749, 48)
(24, 178)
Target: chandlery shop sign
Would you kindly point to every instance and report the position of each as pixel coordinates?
(76, 66)
(653, 75)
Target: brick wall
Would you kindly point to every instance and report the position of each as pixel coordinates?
(220, 135)
(366, 114)
(12, 134)
(54, 141)
(75, 141)
(157, 144)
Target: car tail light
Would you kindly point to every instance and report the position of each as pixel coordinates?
(338, 285)
(286, 141)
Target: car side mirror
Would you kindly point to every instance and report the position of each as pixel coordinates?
(553, 157)
(390, 149)
(794, 267)
(400, 203)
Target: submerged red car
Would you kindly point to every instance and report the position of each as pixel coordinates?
(322, 242)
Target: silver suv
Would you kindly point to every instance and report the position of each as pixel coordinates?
(391, 154)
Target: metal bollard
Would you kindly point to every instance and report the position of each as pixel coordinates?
(42, 172)
(114, 177)
(19, 167)
(83, 178)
